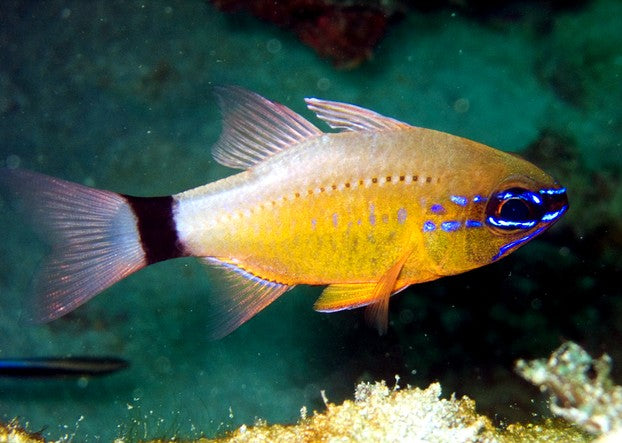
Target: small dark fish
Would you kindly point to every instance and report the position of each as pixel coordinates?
(60, 366)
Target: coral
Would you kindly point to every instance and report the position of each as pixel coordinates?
(347, 32)
(580, 388)
(13, 433)
(381, 413)
(344, 33)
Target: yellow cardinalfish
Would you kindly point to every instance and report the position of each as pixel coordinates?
(368, 211)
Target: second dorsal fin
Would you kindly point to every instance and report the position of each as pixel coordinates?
(255, 128)
(350, 117)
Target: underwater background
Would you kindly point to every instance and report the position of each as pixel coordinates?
(116, 95)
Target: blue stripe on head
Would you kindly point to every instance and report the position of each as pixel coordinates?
(473, 224)
(450, 226)
(437, 209)
(510, 224)
(553, 191)
(556, 202)
(460, 200)
(551, 215)
(429, 226)
(505, 248)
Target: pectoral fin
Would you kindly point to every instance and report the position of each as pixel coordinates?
(375, 296)
(377, 313)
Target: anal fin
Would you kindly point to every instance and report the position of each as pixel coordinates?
(240, 295)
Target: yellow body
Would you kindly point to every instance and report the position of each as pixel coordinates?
(327, 211)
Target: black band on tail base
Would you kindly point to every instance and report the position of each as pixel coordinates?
(156, 227)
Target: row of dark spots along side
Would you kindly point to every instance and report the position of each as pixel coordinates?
(361, 183)
(348, 185)
(401, 215)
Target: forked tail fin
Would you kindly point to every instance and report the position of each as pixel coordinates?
(94, 238)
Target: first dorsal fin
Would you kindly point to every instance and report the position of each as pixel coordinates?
(350, 117)
(255, 128)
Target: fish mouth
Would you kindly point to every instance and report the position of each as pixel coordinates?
(556, 202)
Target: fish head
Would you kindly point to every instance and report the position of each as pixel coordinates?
(505, 206)
(520, 207)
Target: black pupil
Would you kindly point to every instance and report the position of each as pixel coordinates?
(515, 209)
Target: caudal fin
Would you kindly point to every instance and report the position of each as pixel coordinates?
(93, 234)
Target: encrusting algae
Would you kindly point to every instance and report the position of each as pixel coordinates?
(13, 433)
(380, 413)
(582, 394)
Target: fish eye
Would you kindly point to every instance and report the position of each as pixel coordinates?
(513, 209)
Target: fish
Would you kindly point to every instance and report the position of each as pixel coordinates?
(46, 367)
(366, 210)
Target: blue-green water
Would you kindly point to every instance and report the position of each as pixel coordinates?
(116, 95)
